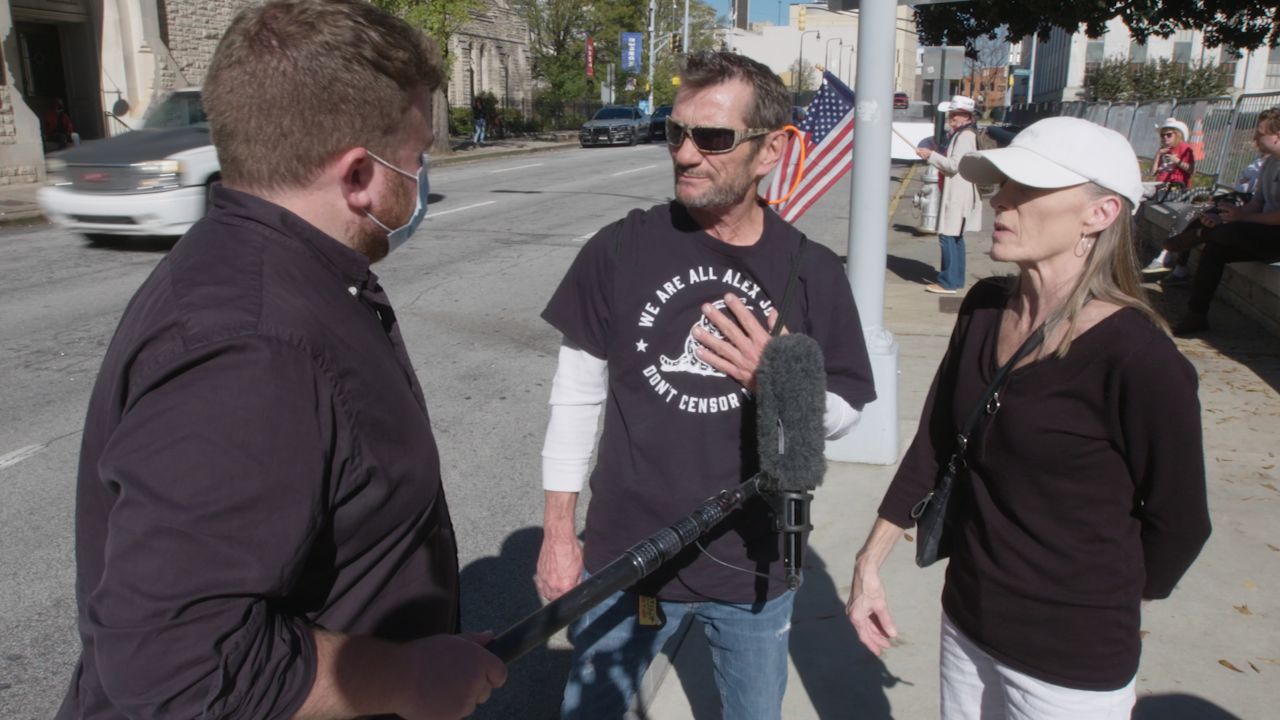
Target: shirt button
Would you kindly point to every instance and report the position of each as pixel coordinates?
(353, 290)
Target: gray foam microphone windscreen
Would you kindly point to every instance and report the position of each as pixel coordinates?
(791, 385)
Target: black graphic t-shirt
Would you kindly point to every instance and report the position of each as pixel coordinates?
(677, 431)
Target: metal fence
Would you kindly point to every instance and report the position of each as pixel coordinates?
(1221, 128)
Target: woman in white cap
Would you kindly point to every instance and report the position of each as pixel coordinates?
(961, 205)
(1175, 161)
(1081, 489)
(1174, 164)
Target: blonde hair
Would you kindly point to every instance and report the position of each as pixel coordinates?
(1111, 274)
(1181, 138)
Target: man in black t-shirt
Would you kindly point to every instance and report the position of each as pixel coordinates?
(665, 313)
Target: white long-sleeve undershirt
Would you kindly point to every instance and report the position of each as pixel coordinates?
(577, 399)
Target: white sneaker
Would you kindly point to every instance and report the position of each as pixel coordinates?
(1155, 266)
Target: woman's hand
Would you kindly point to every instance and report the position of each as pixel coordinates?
(868, 610)
(924, 153)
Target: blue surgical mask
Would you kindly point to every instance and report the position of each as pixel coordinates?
(398, 237)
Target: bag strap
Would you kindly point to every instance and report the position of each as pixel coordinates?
(791, 285)
(1029, 345)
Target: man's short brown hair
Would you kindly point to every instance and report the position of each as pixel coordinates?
(771, 106)
(294, 83)
(1269, 121)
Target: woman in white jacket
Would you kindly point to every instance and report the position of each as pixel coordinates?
(961, 205)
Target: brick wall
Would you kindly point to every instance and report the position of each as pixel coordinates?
(8, 130)
(193, 28)
(491, 54)
(13, 173)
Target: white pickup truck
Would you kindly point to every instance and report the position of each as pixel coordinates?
(153, 180)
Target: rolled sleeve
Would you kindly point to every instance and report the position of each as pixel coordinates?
(219, 468)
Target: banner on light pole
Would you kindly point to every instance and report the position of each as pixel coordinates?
(591, 58)
(632, 52)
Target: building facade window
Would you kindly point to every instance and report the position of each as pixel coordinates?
(1137, 53)
(1227, 58)
(1094, 54)
(1273, 69)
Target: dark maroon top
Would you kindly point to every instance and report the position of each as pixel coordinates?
(257, 461)
(1085, 492)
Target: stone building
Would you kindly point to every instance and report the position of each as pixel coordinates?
(106, 61)
(491, 54)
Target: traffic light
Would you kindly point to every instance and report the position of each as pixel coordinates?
(800, 19)
(675, 43)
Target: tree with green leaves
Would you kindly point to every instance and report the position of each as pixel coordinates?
(1231, 23)
(1117, 79)
(559, 30)
(439, 20)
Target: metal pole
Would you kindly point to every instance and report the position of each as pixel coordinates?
(826, 54)
(653, 12)
(1031, 79)
(684, 39)
(875, 438)
(800, 61)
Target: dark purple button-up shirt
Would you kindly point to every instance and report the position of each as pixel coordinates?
(257, 462)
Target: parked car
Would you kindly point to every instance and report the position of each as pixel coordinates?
(658, 123)
(615, 125)
(901, 101)
(153, 180)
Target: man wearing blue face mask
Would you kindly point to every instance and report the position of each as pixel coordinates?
(261, 528)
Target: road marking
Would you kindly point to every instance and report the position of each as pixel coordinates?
(518, 167)
(19, 455)
(633, 170)
(464, 207)
(902, 186)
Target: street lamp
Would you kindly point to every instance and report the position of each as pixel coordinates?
(800, 62)
(843, 75)
(827, 53)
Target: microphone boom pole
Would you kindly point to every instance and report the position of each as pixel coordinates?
(636, 563)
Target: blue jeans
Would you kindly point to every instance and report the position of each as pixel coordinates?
(478, 137)
(611, 653)
(952, 275)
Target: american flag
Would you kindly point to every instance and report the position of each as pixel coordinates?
(828, 143)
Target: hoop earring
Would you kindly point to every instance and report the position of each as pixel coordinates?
(1084, 246)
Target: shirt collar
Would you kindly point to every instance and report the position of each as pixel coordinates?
(350, 265)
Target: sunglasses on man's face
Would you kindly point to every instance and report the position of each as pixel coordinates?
(709, 140)
(1166, 134)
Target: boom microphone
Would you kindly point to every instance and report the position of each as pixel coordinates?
(790, 387)
(790, 400)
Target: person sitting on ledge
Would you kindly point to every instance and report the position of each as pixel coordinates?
(1247, 233)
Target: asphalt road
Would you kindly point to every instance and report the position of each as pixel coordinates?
(468, 291)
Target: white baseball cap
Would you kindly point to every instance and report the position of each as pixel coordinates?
(957, 102)
(1060, 152)
(1175, 124)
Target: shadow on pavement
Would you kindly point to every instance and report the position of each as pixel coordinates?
(497, 592)
(1178, 707)
(840, 676)
(911, 270)
(1232, 334)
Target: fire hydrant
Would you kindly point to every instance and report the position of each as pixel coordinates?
(928, 200)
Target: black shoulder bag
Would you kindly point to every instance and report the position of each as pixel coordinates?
(930, 514)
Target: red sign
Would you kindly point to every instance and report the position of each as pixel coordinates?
(591, 58)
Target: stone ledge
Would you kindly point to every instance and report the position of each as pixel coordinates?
(1253, 288)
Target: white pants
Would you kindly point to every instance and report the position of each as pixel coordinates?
(976, 686)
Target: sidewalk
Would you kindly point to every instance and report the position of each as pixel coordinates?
(18, 202)
(1216, 639)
